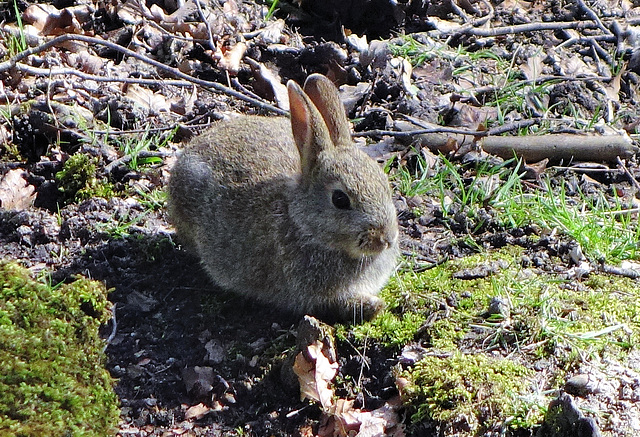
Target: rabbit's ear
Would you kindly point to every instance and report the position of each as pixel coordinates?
(308, 127)
(325, 97)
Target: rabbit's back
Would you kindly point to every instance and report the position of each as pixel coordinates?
(224, 169)
(247, 150)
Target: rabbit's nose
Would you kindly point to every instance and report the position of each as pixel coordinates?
(382, 238)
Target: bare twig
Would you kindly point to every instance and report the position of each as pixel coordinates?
(86, 76)
(114, 328)
(614, 270)
(525, 28)
(207, 25)
(628, 173)
(593, 16)
(428, 128)
(413, 133)
(216, 87)
(132, 131)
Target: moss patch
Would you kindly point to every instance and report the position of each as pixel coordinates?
(596, 315)
(53, 380)
(550, 318)
(77, 179)
(472, 388)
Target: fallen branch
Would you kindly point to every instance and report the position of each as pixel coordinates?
(36, 71)
(566, 147)
(521, 28)
(620, 271)
(531, 148)
(12, 63)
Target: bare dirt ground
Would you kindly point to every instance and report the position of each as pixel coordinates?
(194, 360)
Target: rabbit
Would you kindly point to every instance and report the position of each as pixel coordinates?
(289, 213)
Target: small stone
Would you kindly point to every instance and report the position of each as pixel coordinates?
(498, 307)
(579, 385)
(564, 419)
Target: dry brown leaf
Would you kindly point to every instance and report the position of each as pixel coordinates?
(133, 11)
(268, 85)
(515, 4)
(197, 412)
(533, 68)
(184, 104)
(405, 75)
(15, 191)
(273, 33)
(49, 20)
(153, 102)
(180, 14)
(198, 379)
(344, 420)
(315, 375)
(575, 66)
(85, 61)
(613, 88)
(158, 13)
(231, 58)
(37, 15)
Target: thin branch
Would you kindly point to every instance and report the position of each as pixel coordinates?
(216, 87)
(409, 134)
(525, 28)
(614, 270)
(207, 25)
(628, 173)
(593, 16)
(449, 130)
(114, 328)
(86, 76)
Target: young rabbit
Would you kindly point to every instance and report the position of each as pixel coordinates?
(289, 212)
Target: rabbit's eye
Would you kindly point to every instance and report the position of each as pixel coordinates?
(340, 200)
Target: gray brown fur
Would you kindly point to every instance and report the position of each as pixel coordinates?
(255, 202)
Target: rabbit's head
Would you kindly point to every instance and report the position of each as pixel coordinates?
(343, 198)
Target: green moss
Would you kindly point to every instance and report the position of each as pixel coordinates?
(77, 179)
(474, 388)
(53, 381)
(564, 317)
(564, 322)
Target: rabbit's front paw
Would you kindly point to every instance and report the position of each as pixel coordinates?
(368, 307)
(356, 310)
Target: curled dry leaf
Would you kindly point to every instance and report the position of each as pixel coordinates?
(15, 191)
(315, 375)
(197, 412)
(345, 420)
(152, 102)
(316, 366)
(268, 85)
(273, 33)
(198, 379)
(50, 20)
(231, 58)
